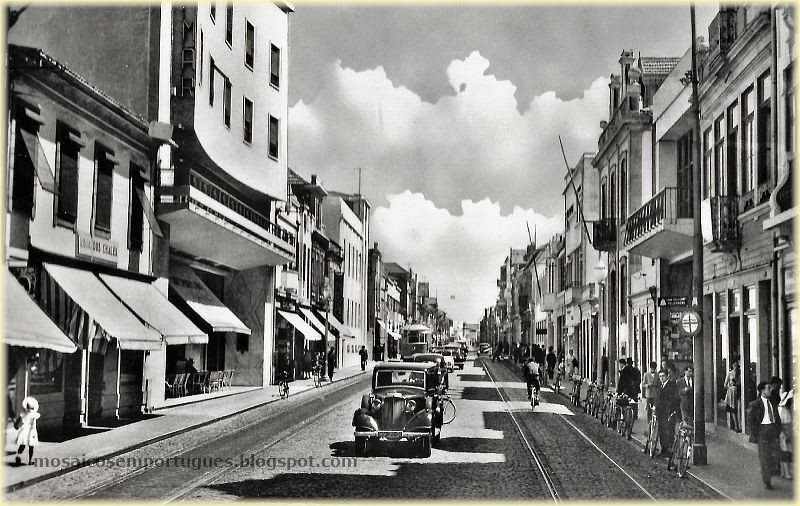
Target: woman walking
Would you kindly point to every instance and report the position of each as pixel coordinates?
(733, 395)
(26, 423)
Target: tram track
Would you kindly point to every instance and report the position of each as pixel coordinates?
(550, 477)
(220, 445)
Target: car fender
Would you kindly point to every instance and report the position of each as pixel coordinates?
(362, 420)
(422, 419)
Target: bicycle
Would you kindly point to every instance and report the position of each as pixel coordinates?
(448, 410)
(557, 383)
(575, 397)
(606, 408)
(597, 399)
(626, 409)
(588, 401)
(316, 373)
(682, 448)
(283, 385)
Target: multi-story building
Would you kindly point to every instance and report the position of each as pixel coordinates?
(507, 299)
(625, 168)
(581, 201)
(82, 238)
(747, 128)
(348, 226)
(219, 77)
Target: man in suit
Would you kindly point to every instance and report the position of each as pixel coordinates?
(765, 427)
(627, 382)
(667, 403)
(686, 392)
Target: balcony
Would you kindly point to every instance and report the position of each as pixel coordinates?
(720, 224)
(209, 222)
(572, 292)
(604, 234)
(628, 112)
(663, 227)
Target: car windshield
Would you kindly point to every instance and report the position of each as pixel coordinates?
(446, 353)
(403, 378)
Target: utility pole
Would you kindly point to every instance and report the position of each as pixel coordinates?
(699, 453)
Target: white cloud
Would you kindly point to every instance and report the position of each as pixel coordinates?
(483, 167)
(471, 145)
(459, 254)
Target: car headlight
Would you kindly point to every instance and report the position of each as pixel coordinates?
(410, 406)
(376, 404)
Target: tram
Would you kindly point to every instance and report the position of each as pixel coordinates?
(416, 339)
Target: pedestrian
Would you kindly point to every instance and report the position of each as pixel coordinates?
(603, 368)
(363, 354)
(26, 424)
(686, 392)
(650, 387)
(733, 395)
(785, 411)
(636, 377)
(531, 373)
(571, 364)
(331, 362)
(308, 362)
(667, 403)
(626, 383)
(775, 395)
(765, 428)
(550, 358)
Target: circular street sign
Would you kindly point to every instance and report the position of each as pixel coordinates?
(690, 322)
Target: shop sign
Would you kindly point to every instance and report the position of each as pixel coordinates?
(673, 301)
(96, 248)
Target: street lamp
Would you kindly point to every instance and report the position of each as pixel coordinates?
(326, 297)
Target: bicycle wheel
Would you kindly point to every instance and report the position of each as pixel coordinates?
(652, 437)
(683, 463)
(675, 447)
(448, 411)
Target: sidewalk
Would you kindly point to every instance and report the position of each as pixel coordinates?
(732, 470)
(81, 451)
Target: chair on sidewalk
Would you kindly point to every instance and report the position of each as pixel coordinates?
(214, 381)
(198, 382)
(183, 383)
(227, 377)
(169, 385)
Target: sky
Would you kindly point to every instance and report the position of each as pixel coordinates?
(454, 114)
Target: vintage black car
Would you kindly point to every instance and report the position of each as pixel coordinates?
(405, 405)
(439, 360)
(459, 355)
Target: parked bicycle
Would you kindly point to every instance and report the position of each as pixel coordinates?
(588, 401)
(575, 396)
(316, 373)
(283, 385)
(557, 382)
(597, 399)
(626, 407)
(651, 443)
(607, 408)
(682, 448)
(448, 409)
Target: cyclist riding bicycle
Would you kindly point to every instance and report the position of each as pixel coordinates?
(531, 372)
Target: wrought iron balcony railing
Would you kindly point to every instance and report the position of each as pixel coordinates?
(604, 234)
(666, 206)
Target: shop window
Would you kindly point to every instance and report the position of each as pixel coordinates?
(131, 367)
(46, 374)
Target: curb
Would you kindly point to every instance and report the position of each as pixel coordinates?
(156, 439)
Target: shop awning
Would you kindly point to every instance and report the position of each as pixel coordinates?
(103, 315)
(27, 325)
(395, 335)
(339, 327)
(297, 322)
(352, 332)
(202, 301)
(312, 318)
(154, 308)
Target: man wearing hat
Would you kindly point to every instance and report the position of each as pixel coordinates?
(765, 428)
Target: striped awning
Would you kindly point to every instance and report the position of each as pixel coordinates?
(208, 308)
(313, 320)
(93, 315)
(297, 322)
(27, 325)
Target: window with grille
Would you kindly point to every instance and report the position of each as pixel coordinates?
(275, 66)
(104, 187)
(249, 44)
(274, 136)
(247, 120)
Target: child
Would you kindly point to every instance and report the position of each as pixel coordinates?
(26, 423)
